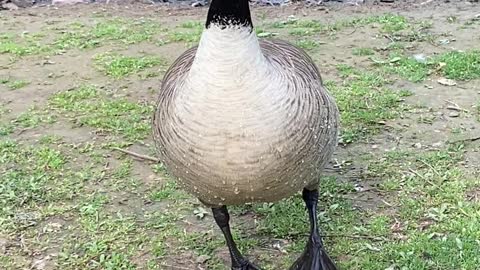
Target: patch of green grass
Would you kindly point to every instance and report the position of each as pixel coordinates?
(298, 27)
(32, 178)
(14, 84)
(435, 219)
(6, 129)
(409, 68)
(262, 33)
(478, 109)
(363, 51)
(13, 48)
(461, 65)
(453, 65)
(188, 37)
(121, 178)
(388, 22)
(124, 170)
(188, 33)
(4, 110)
(22, 45)
(307, 44)
(17, 84)
(113, 30)
(364, 102)
(470, 23)
(293, 22)
(168, 191)
(288, 218)
(169, 239)
(34, 117)
(103, 242)
(89, 106)
(428, 221)
(185, 36)
(192, 25)
(118, 66)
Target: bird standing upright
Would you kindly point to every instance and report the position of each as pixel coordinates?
(242, 120)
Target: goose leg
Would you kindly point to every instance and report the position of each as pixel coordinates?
(222, 218)
(314, 257)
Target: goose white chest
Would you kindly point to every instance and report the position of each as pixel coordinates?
(244, 120)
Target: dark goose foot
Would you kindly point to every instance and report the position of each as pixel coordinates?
(314, 257)
(222, 218)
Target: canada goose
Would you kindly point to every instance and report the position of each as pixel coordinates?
(242, 120)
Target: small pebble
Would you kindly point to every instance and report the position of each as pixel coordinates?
(437, 144)
(454, 114)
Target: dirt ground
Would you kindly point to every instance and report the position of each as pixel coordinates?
(86, 205)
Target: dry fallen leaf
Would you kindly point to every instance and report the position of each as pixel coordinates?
(200, 212)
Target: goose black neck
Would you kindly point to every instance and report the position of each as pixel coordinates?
(229, 12)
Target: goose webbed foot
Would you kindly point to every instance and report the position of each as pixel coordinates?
(314, 257)
(222, 218)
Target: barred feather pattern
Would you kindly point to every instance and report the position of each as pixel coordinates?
(244, 120)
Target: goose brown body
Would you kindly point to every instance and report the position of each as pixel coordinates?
(261, 133)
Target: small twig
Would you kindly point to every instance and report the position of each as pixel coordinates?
(23, 130)
(389, 37)
(374, 238)
(354, 30)
(426, 180)
(139, 156)
(431, 167)
(451, 102)
(471, 139)
(454, 106)
(416, 173)
(386, 203)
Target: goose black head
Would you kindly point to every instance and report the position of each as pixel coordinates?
(229, 12)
